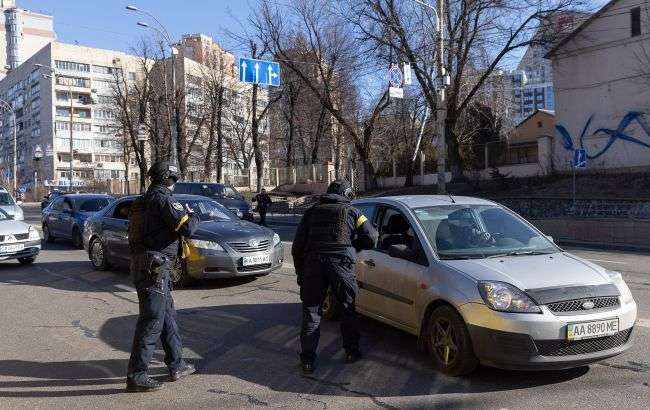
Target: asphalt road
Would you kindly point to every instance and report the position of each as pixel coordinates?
(66, 331)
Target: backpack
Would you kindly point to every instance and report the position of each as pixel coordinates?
(137, 225)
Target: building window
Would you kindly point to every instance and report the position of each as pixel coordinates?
(132, 75)
(635, 17)
(72, 66)
(73, 81)
(108, 114)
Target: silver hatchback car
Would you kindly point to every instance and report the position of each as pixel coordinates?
(479, 284)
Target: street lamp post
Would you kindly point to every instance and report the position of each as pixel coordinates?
(164, 34)
(5, 105)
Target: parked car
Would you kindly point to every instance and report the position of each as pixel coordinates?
(479, 284)
(51, 196)
(226, 195)
(10, 205)
(223, 246)
(18, 240)
(65, 217)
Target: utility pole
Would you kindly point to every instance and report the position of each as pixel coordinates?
(442, 109)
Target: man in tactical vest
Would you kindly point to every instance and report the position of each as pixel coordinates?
(323, 251)
(156, 222)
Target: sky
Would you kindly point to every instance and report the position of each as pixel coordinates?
(107, 24)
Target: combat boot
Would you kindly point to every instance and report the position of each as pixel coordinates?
(143, 386)
(183, 371)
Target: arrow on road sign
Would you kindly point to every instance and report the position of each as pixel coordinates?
(259, 72)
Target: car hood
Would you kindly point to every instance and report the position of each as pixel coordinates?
(231, 231)
(13, 227)
(534, 271)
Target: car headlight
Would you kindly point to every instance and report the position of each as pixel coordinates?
(276, 239)
(198, 243)
(33, 233)
(617, 278)
(504, 297)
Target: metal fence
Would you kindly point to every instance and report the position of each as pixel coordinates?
(547, 207)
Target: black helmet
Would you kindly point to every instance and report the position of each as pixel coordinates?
(160, 171)
(341, 187)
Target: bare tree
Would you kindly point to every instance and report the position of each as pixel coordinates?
(327, 61)
(498, 27)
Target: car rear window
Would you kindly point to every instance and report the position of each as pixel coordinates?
(93, 204)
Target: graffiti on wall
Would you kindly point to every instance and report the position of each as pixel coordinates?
(620, 133)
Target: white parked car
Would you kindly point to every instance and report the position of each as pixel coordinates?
(18, 240)
(479, 284)
(10, 205)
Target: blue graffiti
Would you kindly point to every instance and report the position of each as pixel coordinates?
(618, 133)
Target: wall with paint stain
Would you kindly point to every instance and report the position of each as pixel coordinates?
(602, 96)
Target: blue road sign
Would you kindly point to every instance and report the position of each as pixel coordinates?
(22, 188)
(259, 72)
(580, 158)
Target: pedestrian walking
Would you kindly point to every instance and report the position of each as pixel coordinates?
(263, 204)
(328, 237)
(156, 223)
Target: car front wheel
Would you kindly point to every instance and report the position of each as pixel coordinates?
(449, 343)
(98, 255)
(27, 261)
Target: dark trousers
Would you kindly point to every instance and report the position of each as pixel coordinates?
(262, 212)
(320, 274)
(157, 320)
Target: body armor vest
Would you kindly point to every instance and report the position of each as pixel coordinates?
(137, 225)
(329, 228)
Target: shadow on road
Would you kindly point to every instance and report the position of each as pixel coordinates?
(74, 374)
(259, 343)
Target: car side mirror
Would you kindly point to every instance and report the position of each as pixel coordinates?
(402, 252)
(19, 202)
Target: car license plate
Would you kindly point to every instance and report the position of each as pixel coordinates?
(590, 330)
(12, 248)
(256, 260)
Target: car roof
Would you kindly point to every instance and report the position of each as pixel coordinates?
(185, 197)
(200, 183)
(81, 196)
(420, 201)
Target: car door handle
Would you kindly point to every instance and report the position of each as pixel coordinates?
(370, 262)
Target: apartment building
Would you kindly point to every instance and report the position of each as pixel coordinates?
(57, 81)
(22, 34)
(532, 81)
(200, 64)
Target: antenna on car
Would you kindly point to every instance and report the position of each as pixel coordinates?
(452, 198)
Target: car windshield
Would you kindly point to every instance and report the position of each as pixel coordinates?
(93, 204)
(6, 199)
(480, 231)
(4, 216)
(208, 211)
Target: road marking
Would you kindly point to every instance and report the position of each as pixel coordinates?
(643, 322)
(606, 261)
(125, 287)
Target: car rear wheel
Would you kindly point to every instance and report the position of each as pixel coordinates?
(98, 255)
(449, 344)
(77, 239)
(27, 261)
(47, 235)
(180, 276)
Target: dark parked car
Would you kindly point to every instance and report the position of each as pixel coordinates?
(226, 195)
(64, 218)
(47, 199)
(224, 246)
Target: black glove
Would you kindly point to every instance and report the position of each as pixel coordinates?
(299, 280)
